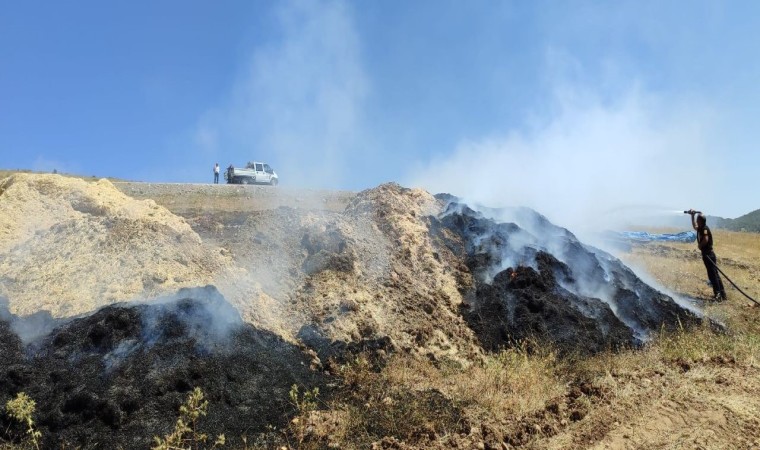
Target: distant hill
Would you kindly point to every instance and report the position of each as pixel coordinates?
(747, 222)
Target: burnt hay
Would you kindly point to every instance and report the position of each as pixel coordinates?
(120, 374)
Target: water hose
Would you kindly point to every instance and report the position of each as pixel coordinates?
(734, 284)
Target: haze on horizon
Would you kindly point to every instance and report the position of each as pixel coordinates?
(576, 108)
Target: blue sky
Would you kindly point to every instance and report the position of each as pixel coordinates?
(573, 107)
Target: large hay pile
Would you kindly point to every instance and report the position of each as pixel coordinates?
(71, 246)
(382, 275)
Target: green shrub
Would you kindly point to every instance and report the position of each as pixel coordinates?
(305, 404)
(22, 410)
(185, 435)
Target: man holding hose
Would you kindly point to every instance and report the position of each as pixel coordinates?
(705, 244)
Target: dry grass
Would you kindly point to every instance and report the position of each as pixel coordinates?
(514, 382)
(689, 389)
(380, 404)
(423, 404)
(679, 266)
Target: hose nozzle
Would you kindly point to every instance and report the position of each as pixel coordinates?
(691, 211)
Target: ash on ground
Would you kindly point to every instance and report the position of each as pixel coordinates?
(119, 375)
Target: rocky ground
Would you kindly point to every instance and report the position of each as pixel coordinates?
(435, 328)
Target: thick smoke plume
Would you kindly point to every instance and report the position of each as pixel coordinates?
(299, 102)
(590, 160)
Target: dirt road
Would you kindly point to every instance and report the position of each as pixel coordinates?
(187, 198)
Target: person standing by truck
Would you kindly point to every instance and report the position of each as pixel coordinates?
(216, 173)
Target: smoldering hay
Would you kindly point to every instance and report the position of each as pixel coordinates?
(534, 279)
(118, 376)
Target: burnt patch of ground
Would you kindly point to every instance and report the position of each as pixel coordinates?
(10, 343)
(335, 353)
(388, 415)
(528, 304)
(533, 279)
(119, 375)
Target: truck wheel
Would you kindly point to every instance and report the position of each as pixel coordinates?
(273, 182)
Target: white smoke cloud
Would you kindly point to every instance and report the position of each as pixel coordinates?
(590, 161)
(298, 104)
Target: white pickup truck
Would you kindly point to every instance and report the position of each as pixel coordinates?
(253, 173)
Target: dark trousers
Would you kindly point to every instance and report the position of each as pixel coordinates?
(216, 178)
(712, 273)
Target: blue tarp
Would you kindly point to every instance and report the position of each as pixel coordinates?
(643, 236)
